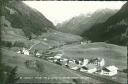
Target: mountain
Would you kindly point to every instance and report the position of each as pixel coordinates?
(17, 17)
(81, 23)
(19, 22)
(113, 30)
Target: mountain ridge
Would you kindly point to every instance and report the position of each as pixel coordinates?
(29, 20)
(78, 24)
(113, 30)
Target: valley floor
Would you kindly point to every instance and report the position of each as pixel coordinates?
(50, 72)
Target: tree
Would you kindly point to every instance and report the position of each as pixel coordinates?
(9, 44)
(77, 81)
(19, 44)
(8, 74)
(2, 76)
(30, 37)
(35, 52)
(12, 76)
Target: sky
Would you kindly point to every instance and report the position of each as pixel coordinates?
(59, 11)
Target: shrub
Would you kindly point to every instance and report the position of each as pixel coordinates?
(19, 44)
(12, 76)
(8, 74)
(6, 44)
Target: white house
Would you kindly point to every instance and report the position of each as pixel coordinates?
(19, 52)
(74, 68)
(85, 62)
(98, 62)
(25, 51)
(89, 68)
(51, 59)
(45, 39)
(64, 61)
(102, 62)
(38, 54)
(73, 65)
(109, 71)
(80, 62)
(83, 43)
(58, 56)
(71, 61)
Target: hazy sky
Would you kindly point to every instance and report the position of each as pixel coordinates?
(59, 11)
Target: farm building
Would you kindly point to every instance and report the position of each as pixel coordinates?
(23, 51)
(85, 62)
(20, 51)
(45, 39)
(72, 65)
(64, 61)
(83, 43)
(38, 54)
(98, 62)
(90, 68)
(109, 71)
(77, 61)
(51, 59)
(58, 56)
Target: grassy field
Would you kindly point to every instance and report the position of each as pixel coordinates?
(113, 54)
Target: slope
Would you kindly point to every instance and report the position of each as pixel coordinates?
(81, 23)
(47, 70)
(113, 54)
(114, 30)
(30, 21)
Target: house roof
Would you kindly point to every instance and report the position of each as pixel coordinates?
(105, 69)
(72, 65)
(91, 66)
(111, 68)
(84, 68)
(96, 59)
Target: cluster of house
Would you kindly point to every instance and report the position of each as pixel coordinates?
(27, 52)
(85, 42)
(23, 51)
(95, 65)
